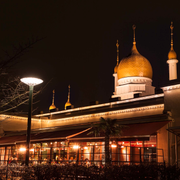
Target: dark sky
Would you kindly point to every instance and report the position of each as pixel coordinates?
(79, 48)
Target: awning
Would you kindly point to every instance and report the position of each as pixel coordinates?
(42, 137)
(137, 131)
(175, 130)
(129, 131)
(143, 128)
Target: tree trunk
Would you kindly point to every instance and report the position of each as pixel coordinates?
(107, 158)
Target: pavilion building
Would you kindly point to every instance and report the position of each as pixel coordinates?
(151, 121)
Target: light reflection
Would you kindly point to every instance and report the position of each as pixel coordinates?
(22, 149)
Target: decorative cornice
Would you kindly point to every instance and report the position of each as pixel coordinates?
(135, 80)
(167, 88)
(111, 112)
(102, 105)
(17, 117)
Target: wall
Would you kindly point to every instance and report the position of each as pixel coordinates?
(14, 123)
(172, 103)
(162, 143)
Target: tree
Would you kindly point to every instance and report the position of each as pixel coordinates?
(13, 93)
(109, 128)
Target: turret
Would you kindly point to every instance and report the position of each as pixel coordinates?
(172, 58)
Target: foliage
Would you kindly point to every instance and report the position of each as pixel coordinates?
(109, 128)
(128, 172)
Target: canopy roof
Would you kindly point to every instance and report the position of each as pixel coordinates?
(138, 130)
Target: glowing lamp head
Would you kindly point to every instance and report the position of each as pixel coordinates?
(22, 149)
(31, 81)
(113, 145)
(75, 147)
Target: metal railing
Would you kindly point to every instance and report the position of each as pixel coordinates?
(57, 156)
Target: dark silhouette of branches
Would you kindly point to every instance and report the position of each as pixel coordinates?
(14, 93)
(18, 51)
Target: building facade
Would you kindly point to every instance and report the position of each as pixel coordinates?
(151, 121)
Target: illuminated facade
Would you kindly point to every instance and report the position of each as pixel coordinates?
(151, 121)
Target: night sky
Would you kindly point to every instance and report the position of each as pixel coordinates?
(79, 47)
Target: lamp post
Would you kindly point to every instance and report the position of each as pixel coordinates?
(31, 82)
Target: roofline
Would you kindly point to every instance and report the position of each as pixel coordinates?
(171, 87)
(102, 105)
(88, 124)
(111, 112)
(91, 138)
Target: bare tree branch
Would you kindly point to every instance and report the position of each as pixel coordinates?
(14, 93)
(19, 51)
(15, 106)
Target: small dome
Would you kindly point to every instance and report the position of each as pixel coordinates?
(68, 101)
(115, 69)
(52, 107)
(67, 104)
(172, 54)
(134, 65)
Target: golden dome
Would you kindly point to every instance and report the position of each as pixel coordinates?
(172, 54)
(52, 105)
(134, 65)
(68, 101)
(115, 69)
(67, 104)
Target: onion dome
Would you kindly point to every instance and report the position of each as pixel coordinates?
(116, 67)
(134, 65)
(68, 101)
(172, 54)
(52, 107)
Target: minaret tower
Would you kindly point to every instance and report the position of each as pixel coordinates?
(52, 107)
(172, 58)
(115, 69)
(68, 101)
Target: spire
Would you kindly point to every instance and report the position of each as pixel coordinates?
(68, 101)
(172, 54)
(115, 69)
(171, 27)
(134, 48)
(134, 33)
(53, 97)
(117, 45)
(69, 93)
(52, 105)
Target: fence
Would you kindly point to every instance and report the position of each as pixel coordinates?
(93, 155)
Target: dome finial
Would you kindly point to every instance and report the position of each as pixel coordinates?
(115, 69)
(172, 54)
(171, 27)
(134, 39)
(53, 97)
(68, 101)
(52, 105)
(69, 93)
(134, 48)
(117, 45)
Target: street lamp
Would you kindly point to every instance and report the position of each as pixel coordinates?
(31, 82)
